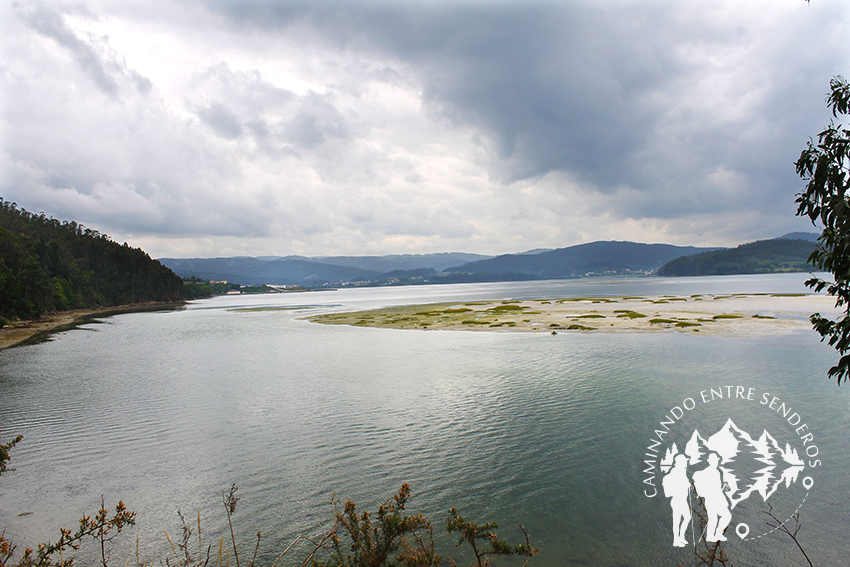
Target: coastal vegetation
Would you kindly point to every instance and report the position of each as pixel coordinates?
(197, 288)
(704, 314)
(628, 314)
(50, 265)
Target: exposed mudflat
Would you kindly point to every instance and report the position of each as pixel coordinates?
(744, 314)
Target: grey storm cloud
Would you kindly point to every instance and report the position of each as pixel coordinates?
(556, 86)
(551, 88)
(577, 87)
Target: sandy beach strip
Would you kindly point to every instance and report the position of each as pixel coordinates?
(35, 330)
(738, 314)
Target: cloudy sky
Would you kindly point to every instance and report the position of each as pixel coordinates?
(230, 127)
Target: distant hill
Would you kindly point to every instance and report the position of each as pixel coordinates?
(253, 271)
(391, 262)
(395, 262)
(763, 256)
(594, 258)
(313, 272)
(52, 265)
(810, 236)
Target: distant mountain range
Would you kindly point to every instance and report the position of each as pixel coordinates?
(748, 463)
(594, 258)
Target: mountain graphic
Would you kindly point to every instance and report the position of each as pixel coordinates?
(748, 465)
(727, 441)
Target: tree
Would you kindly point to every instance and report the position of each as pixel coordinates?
(825, 166)
(47, 265)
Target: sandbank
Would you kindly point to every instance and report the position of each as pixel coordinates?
(735, 315)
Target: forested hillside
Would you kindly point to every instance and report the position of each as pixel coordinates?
(763, 256)
(51, 265)
(592, 258)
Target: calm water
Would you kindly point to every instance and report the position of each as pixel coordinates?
(164, 410)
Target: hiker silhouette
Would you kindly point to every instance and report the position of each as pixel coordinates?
(676, 486)
(709, 484)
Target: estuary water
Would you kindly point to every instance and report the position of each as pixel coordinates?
(165, 410)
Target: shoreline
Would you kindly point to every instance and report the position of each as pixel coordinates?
(36, 330)
(730, 315)
(725, 315)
